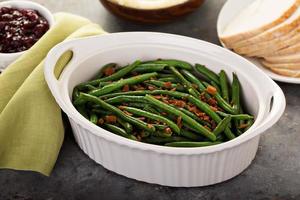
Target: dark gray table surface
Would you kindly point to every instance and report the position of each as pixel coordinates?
(274, 174)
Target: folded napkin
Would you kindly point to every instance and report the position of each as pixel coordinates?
(31, 127)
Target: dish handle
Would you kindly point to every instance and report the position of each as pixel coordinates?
(79, 51)
(276, 106)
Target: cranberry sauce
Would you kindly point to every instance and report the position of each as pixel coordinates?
(20, 29)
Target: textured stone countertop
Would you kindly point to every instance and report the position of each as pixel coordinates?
(274, 173)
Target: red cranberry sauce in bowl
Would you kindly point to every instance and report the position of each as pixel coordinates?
(20, 29)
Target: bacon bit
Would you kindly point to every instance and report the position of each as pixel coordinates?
(111, 119)
(139, 138)
(199, 113)
(214, 108)
(121, 107)
(158, 97)
(206, 118)
(127, 113)
(165, 101)
(179, 121)
(101, 121)
(149, 125)
(212, 102)
(178, 103)
(195, 86)
(150, 87)
(243, 126)
(173, 89)
(213, 124)
(168, 130)
(168, 84)
(164, 113)
(141, 118)
(125, 88)
(192, 108)
(109, 71)
(211, 90)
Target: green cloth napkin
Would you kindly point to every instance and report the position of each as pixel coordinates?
(31, 127)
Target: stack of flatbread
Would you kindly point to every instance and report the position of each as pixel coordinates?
(270, 30)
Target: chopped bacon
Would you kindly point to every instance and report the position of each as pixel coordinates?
(168, 84)
(125, 88)
(211, 90)
(127, 113)
(214, 108)
(109, 71)
(179, 121)
(150, 87)
(206, 118)
(158, 97)
(212, 102)
(243, 126)
(168, 130)
(141, 118)
(179, 103)
(149, 125)
(101, 121)
(111, 119)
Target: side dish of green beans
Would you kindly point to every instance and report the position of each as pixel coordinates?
(164, 102)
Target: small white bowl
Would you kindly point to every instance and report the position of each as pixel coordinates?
(152, 163)
(8, 58)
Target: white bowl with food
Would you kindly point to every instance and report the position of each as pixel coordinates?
(269, 40)
(145, 11)
(22, 23)
(150, 163)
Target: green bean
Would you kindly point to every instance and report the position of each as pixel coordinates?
(206, 108)
(153, 116)
(162, 134)
(174, 63)
(235, 93)
(224, 85)
(148, 108)
(169, 79)
(238, 117)
(194, 80)
(144, 92)
(161, 140)
(100, 112)
(102, 84)
(185, 82)
(149, 67)
(191, 135)
(118, 112)
(222, 125)
(119, 74)
(119, 84)
(249, 123)
(202, 130)
(137, 104)
(207, 73)
(160, 127)
(126, 99)
(216, 86)
(191, 144)
(75, 94)
(81, 109)
(164, 85)
(119, 131)
(221, 102)
(127, 126)
(94, 118)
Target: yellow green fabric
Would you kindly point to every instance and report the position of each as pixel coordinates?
(31, 127)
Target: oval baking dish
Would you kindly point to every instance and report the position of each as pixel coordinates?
(158, 164)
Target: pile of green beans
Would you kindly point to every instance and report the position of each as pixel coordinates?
(165, 102)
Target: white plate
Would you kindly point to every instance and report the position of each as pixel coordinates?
(230, 9)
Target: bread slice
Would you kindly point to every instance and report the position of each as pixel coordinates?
(268, 47)
(256, 18)
(287, 72)
(292, 58)
(293, 49)
(292, 66)
(278, 31)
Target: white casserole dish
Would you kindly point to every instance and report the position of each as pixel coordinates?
(151, 163)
